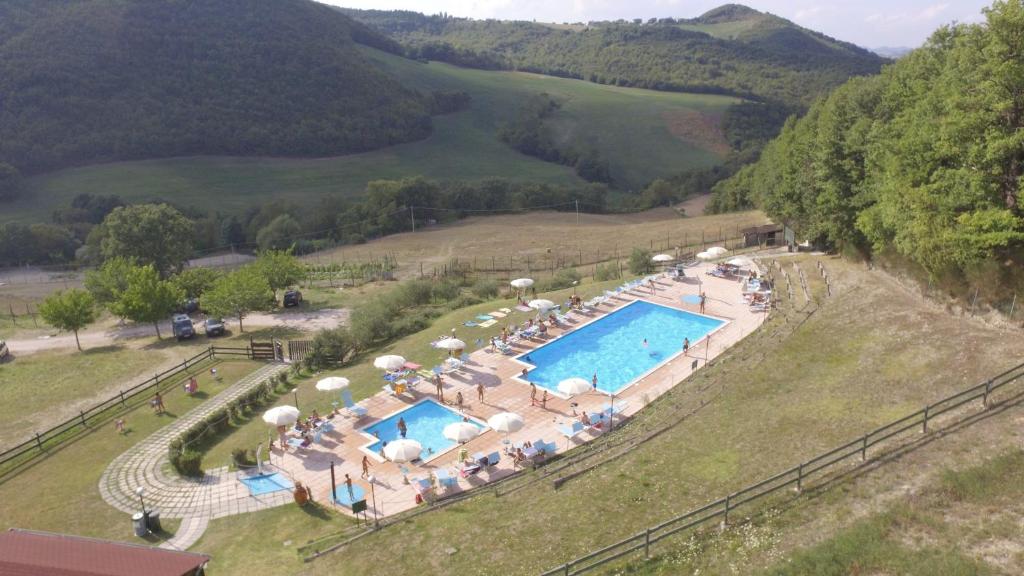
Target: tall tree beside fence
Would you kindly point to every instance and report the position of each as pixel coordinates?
(148, 298)
(243, 291)
(69, 310)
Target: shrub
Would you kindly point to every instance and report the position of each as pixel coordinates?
(446, 290)
(563, 278)
(640, 261)
(610, 271)
(243, 457)
(485, 289)
(464, 300)
(412, 293)
(189, 463)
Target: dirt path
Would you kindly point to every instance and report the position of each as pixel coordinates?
(300, 320)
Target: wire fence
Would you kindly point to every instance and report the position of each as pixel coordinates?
(795, 477)
(43, 442)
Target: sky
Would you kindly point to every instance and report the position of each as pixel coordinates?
(868, 23)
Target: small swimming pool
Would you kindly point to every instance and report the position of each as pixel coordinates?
(266, 483)
(424, 421)
(613, 346)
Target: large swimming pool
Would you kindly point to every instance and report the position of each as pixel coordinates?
(424, 421)
(613, 346)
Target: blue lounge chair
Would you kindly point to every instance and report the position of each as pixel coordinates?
(350, 406)
(464, 358)
(493, 458)
(444, 478)
(571, 431)
(318, 437)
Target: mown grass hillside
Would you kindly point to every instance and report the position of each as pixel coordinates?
(643, 134)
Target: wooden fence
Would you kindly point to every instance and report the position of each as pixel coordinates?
(17, 456)
(794, 477)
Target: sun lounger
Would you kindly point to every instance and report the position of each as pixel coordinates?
(424, 489)
(444, 478)
(491, 459)
(350, 406)
(299, 443)
(571, 431)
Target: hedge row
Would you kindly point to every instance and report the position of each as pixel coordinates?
(183, 452)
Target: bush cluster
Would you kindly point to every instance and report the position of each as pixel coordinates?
(184, 452)
(562, 279)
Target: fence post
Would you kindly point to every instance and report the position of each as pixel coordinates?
(725, 519)
(800, 478)
(82, 415)
(864, 449)
(924, 425)
(122, 398)
(566, 567)
(984, 399)
(647, 543)
(39, 442)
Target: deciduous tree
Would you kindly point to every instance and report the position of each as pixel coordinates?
(69, 310)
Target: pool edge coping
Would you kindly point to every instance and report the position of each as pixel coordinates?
(724, 322)
(376, 456)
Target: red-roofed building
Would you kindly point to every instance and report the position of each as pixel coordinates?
(31, 553)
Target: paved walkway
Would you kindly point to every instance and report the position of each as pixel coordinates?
(194, 500)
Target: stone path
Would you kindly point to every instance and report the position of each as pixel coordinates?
(198, 500)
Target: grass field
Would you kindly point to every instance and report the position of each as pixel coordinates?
(546, 238)
(801, 384)
(60, 492)
(632, 128)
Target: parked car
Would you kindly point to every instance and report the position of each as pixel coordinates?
(190, 306)
(5, 353)
(292, 298)
(182, 326)
(213, 327)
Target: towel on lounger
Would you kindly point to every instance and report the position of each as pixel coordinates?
(487, 324)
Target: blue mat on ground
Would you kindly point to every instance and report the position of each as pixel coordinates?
(469, 323)
(345, 498)
(484, 317)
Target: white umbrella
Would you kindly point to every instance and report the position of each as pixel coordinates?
(461, 432)
(716, 250)
(573, 386)
(521, 283)
(507, 422)
(663, 258)
(281, 415)
(705, 256)
(740, 261)
(450, 344)
(541, 305)
(403, 450)
(390, 362)
(332, 383)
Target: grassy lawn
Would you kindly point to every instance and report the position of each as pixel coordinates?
(40, 390)
(60, 491)
(643, 134)
(798, 386)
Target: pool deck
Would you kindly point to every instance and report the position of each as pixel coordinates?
(504, 393)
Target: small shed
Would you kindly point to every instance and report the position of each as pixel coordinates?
(24, 552)
(766, 235)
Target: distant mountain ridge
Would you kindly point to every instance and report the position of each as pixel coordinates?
(732, 49)
(85, 81)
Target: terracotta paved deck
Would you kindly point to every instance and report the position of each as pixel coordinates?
(495, 371)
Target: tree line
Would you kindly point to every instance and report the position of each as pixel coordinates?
(93, 81)
(922, 162)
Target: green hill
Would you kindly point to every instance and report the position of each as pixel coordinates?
(729, 50)
(643, 134)
(84, 81)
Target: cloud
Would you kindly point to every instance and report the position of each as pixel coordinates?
(933, 11)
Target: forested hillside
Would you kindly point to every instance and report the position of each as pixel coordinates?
(730, 50)
(83, 81)
(923, 161)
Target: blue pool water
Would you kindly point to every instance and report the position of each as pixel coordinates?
(613, 348)
(425, 423)
(266, 483)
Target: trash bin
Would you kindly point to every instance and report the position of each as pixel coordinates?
(139, 524)
(153, 520)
